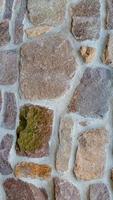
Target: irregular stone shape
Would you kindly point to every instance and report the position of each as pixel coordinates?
(64, 149)
(46, 68)
(0, 100)
(37, 31)
(10, 111)
(19, 190)
(50, 13)
(8, 67)
(8, 9)
(34, 131)
(5, 147)
(4, 32)
(108, 51)
(91, 156)
(109, 15)
(99, 191)
(32, 170)
(92, 94)
(65, 190)
(88, 54)
(86, 20)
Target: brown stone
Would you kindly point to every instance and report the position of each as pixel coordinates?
(19, 190)
(32, 170)
(47, 67)
(65, 190)
(8, 9)
(8, 67)
(91, 156)
(37, 31)
(109, 15)
(34, 131)
(65, 143)
(86, 20)
(108, 51)
(88, 54)
(4, 32)
(9, 111)
(99, 191)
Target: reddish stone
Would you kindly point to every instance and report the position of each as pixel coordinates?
(99, 191)
(4, 32)
(8, 9)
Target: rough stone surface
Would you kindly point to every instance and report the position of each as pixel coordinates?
(5, 147)
(88, 54)
(86, 20)
(1, 7)
(0, 100)
(8, 9)
(34, 131)
(46, 68)
(91, 156)
(37, 31)
(65, 143)
(108, 51)
(4, 32)
(8, 67)
(92, 94)
(109, 15)
(10, 111)
(32, 170)
(65, 190)
(99, 191)
(19, 190)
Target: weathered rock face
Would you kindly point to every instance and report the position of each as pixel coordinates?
(5, 147)
(34, 131)
(47, 66)
(88, 54)
(99, 191)
(34, 32)
(92, 94)
(17, 189)
(4, 32)
(32, 170)
(86, 20)
(64, 149)
(109, 14)
(91, 156)
(108, 51)
(65, 190)
(8, 9)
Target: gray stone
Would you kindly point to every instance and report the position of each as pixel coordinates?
(109, 15)
(99, 191)
(8, 9)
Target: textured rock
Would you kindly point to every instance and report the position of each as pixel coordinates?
(109, 14)
(5, 147)
(0, 100)
(37, 31)
(99, 191)
(32, 170)
(88, 54)
(8, 67)
(65, 190)
(92, 94)
(34, 131)
(91, 156)
(8, 9)
(64, 149)
(46, 68)
(108, 51)
(1, 7)
(19, 190)
(4, 32)
(86, 20)
(10, 111)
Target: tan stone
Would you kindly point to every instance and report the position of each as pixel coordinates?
(91, 156)
(108, 51)
(88, 54)
(32, 170)
(37, 31)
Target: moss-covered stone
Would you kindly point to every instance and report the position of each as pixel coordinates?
(34, 130)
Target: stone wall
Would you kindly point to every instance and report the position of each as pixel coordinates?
(56, 99)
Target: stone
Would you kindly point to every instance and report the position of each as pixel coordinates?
(17, 189)
(109, 15)
(8, 67)
(4, 32)
(47, 67)
(91, 155)
(0, 100)
(92, 95)
(108, 51)
(8, 9)
(65, 143)
(32, 170)
(85, 18)
(50, 13)
(88, 54)
(37, 31)
(5, 147)
(34, 131)
(65, 190)
(1, 8)
(99, 191)
(9, 111)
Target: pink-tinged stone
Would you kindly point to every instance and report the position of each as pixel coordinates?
(4, 32)
(0, 100)
(9, 111)
(65, 190)
(8, 67)
(108, 51)
(5, 147)
(47, 67)
(86, 20)
(109, 15)
(8, 9)
(99, 191)
(19, 190)
(91, 156)
(65, 143)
